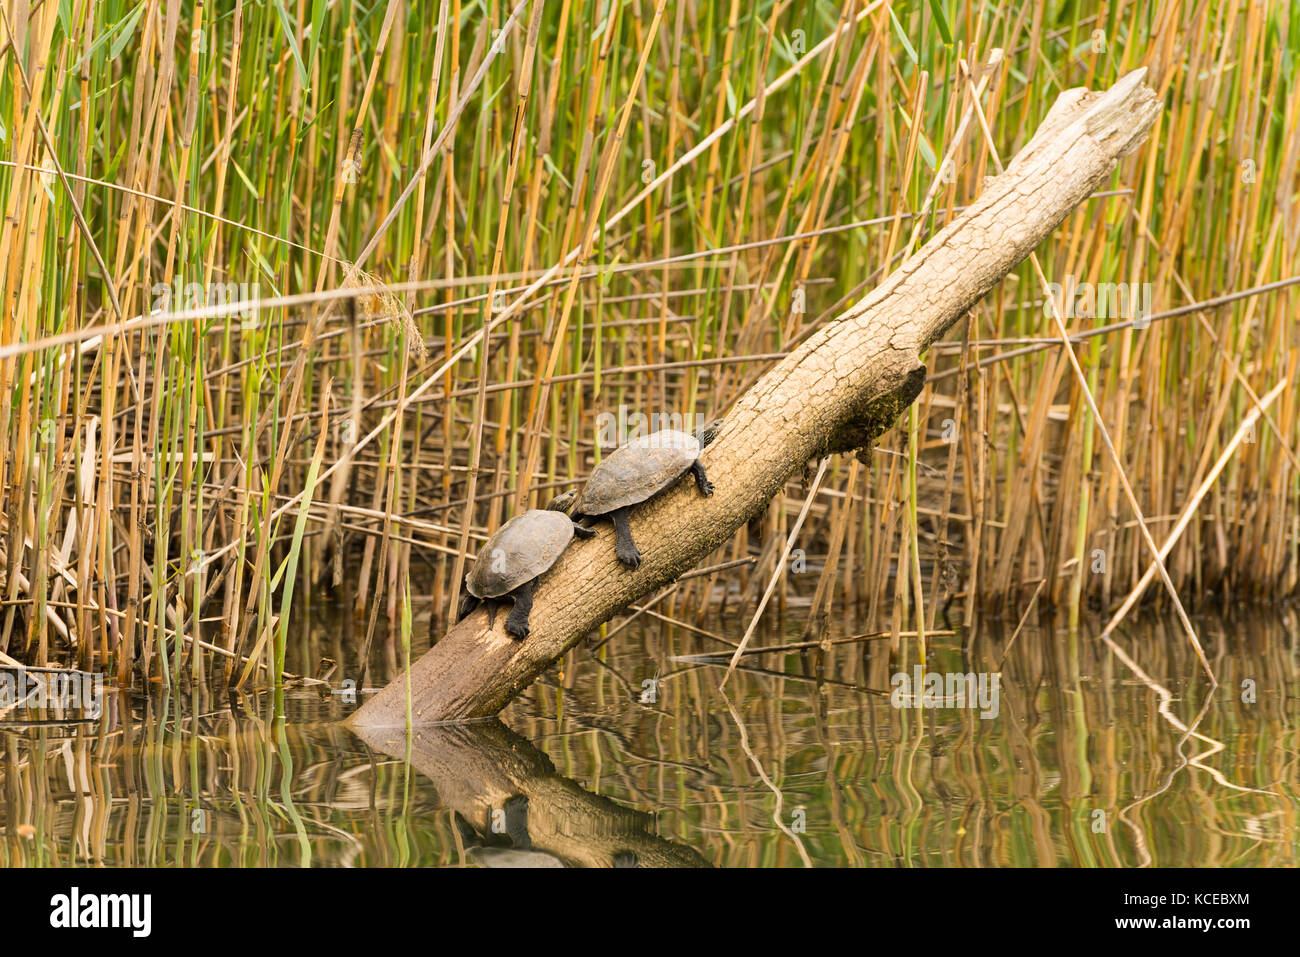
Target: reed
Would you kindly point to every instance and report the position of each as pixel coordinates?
(543, 214)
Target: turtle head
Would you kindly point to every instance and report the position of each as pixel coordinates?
(563, 502)
(707, 433)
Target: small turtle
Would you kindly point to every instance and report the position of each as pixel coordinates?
(512, 560)
(639, 470)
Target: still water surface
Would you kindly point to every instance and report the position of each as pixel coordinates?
(633, 758)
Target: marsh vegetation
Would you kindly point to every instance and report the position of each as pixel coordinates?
(302, 302)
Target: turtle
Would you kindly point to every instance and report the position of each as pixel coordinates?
(512, 560)
(639, 470)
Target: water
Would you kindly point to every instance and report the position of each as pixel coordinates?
(804, 760)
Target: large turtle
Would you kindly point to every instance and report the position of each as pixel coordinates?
(639, 470)
(512, 560)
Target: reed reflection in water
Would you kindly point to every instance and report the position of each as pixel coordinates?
(632, 758)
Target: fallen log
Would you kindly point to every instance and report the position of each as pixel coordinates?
(836, 393)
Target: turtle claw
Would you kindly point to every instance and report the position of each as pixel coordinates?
(517, 632)
(631, 558)
(707, 489)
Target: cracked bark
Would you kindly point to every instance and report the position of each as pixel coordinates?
(834, 393)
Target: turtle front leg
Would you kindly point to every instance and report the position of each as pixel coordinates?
(624, 547)
(583, 532)
(517, 623)
(702, 480)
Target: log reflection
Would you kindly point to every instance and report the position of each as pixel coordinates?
(508, 797)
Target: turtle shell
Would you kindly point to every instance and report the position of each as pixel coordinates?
(521, 549)
(638, 470)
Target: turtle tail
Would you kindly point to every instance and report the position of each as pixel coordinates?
(467, 602)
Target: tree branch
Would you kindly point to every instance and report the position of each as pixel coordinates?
(833, 394)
